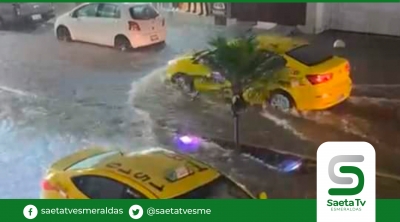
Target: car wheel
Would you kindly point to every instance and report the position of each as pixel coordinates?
(281, 101)
(122, 43)
(63, 34)
(185, 83)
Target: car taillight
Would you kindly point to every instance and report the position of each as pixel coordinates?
(133, 26)
(47, 186)
(347, 67)
(319, 78)
(163, 22)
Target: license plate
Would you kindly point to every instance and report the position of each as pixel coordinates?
(154, 37)
(36, 17)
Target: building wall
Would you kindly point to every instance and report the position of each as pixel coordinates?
(376, 18)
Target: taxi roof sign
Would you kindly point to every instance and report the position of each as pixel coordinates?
(178, 173)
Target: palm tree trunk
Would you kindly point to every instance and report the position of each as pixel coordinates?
(237, 106)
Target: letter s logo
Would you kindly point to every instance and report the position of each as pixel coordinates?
(346, 180)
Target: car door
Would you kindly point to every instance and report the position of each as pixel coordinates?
(81, 24)
(107, 24)
(214, 82)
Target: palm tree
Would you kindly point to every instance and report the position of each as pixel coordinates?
(240, 61)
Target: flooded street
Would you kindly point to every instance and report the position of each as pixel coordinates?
(56, 98)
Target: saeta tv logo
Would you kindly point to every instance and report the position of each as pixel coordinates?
(349, 170)
(346, 181)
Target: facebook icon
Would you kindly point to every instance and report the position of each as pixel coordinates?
(30, 212)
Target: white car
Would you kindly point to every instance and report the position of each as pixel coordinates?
(120, 25)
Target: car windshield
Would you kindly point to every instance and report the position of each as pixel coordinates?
(143, 12)
(92, 161)
(220, 188)
(310, 55)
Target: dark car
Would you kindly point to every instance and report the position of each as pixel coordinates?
(13, 13)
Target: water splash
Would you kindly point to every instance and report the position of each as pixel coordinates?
(284, 124)
(18, 92)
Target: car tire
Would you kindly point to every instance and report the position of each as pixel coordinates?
(63, 34)
(121, 43)
(184, 82)
(281, 101)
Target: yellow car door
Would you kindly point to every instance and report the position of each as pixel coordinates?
(213, 82)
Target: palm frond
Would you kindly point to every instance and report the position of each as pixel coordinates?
(240, 60)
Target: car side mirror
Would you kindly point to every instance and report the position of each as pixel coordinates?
(263, 196)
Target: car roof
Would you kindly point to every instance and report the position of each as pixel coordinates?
(279, 44)
(157, 164)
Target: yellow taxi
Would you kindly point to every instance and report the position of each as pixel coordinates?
(314, 78)
(98, 173)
